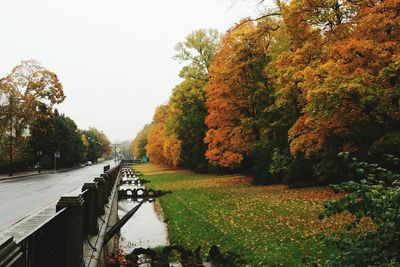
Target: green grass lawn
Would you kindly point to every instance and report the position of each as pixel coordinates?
(266, 225)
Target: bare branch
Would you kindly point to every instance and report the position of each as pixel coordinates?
(274, 14)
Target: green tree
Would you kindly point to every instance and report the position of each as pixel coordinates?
(42, 139)
(53, 132)
(187, 111)
(94, 150)
(198, 50)
(138, 145)
(68, 141)
(186, 119)
(104, 142)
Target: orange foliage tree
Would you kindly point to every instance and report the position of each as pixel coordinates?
(162, 148)
(288, 92)
(340, 72)
(237, 94)
(24, 93)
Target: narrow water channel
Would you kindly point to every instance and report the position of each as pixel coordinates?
(145, 229)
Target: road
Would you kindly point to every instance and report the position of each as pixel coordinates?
(20, 197)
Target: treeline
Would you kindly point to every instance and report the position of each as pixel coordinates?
(279, 97)
(32, 131)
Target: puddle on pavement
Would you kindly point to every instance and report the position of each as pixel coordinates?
(144, 229)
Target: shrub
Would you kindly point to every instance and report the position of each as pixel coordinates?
(375, 194)
(300, 172)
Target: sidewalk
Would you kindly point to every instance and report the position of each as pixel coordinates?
(33, 173)
(20, 175)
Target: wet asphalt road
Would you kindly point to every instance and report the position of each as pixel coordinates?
(20, 197)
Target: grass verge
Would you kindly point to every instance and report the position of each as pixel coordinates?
(266, 225)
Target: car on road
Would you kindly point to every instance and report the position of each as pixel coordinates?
(88, 163)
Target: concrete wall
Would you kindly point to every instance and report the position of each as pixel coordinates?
(109, 247)
(97, 257)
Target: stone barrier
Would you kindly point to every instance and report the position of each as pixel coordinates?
(59, 240)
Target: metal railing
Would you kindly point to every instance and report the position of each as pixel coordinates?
(58, 241)
(131, 161)
(46, 245)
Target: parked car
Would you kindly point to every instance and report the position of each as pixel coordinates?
(88, 163)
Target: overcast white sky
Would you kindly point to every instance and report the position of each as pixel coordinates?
(113, 57)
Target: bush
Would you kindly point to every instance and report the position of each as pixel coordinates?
(267, 165)
(219, 170)
(328, 169)
(201, 167)
(47, 162)
(387, 144)
(300, 172)
(376, 195)
(279, 164)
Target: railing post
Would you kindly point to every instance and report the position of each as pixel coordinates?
(108, 186)
(10, 253)
(111, 173)
(91, 226)
(74, 229)
(101, 196)
(106, 168)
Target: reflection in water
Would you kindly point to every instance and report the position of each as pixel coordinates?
(145, 228)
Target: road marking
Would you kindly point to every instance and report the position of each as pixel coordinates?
(9, 188)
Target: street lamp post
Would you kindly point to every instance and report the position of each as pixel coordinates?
(11, 140)
(115, 152)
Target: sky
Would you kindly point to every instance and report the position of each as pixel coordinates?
(113, 57)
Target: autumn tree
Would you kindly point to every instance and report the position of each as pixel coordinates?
(155, 137)
(28, 89)
(341, 71)
(162, 148)
(238, 96)
(285, 92)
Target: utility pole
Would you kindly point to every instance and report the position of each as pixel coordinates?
(11, 130)
(39, 153)
(115, 152)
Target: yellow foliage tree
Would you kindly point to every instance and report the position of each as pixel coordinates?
(162, 148)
